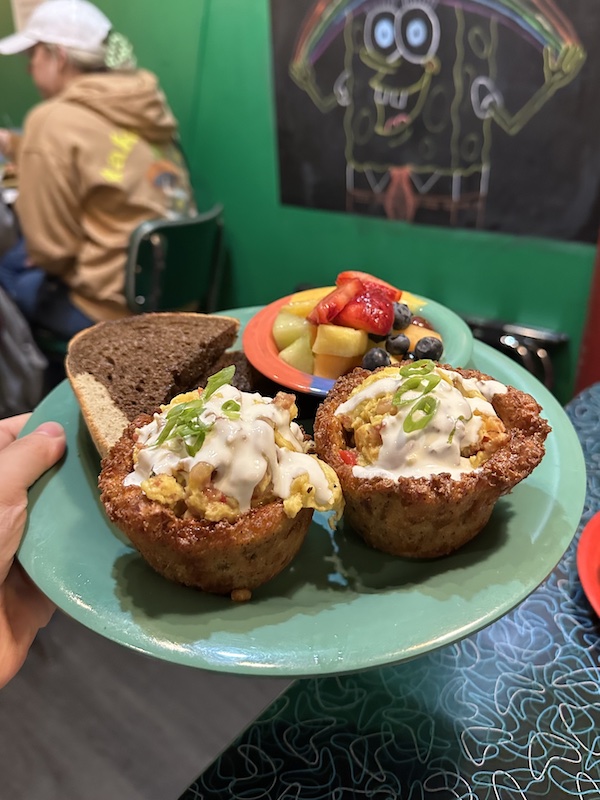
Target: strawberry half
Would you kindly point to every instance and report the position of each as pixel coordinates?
(330, 306)
(371, 311)
(369, 282)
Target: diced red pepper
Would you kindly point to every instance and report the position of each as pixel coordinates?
(349, 457)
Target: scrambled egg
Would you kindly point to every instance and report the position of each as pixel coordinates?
(369, 416)
(191, 486)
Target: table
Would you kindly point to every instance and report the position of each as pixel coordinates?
(510, 713)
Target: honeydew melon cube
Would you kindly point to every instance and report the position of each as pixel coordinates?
(302, 303)
(328, 366)
(299, 354)
(287, 328)
(337, 340)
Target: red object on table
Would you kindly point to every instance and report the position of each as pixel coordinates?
(588, 561)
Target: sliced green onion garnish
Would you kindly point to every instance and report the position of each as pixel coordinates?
(409, 385)
(195, 445)
(430, 382)
(183, 419)
(420, 414)
(453, 431)
(421, 367)
(217, 380)
(231, 409)
(425, 383)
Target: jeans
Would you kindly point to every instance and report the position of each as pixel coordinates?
(43, 299)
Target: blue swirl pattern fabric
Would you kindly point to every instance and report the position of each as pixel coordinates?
(511, 713)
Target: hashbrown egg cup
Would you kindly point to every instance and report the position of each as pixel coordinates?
(427, 517)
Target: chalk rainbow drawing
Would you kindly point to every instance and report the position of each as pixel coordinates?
(395, 50)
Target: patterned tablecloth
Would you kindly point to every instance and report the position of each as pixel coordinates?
(511, 713)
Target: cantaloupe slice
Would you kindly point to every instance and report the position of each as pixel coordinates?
(329, 366)
(416, 332)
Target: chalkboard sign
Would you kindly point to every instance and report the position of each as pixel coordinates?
(472, 113)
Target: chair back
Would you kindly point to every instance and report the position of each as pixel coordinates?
(176, 264)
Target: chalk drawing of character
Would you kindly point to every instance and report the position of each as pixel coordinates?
(421, 84)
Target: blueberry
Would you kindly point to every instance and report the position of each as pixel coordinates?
(429, 347)
(376, 357)
(378, 337)
(402, 316)
(398, 344)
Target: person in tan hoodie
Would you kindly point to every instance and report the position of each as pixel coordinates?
(97, 157)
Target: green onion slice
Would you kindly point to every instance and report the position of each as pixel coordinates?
(453, 431)
(231, 409)
(217, 380)
(421, 367)
(409, 385)
(426, 384)
(183, 420)
(420, 414)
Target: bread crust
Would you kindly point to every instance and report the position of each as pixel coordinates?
(124, 367)
(217, 557)
(431, 517)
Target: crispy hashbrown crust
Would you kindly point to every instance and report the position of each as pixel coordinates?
(217, 557)
(430, 517)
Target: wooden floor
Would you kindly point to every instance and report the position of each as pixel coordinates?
(87, 719)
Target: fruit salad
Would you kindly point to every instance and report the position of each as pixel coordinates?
(361, 321)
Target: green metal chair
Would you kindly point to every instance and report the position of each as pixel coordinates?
(172, 265)
(176, 264)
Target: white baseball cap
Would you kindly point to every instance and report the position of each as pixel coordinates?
(70, 23)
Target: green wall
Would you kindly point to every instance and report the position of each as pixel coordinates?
(274, 247)
(17, 93)
(166, 36)
(213, 59)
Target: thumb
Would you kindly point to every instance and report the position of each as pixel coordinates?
(22, 463)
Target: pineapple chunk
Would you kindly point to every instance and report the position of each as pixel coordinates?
(412, 301)
(287, 328)
(337, 340)
(328, 366)
(302, 303)
(298, 354)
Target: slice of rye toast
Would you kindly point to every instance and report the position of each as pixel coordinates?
(129, 366)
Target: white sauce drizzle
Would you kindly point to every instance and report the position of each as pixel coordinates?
(240, 450)
(437, 447)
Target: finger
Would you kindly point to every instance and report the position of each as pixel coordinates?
(29, 608)
(21, 463)
(10, 428)
(25, 610)
(24, 460)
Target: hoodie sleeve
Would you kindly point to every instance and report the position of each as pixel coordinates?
(47, 205)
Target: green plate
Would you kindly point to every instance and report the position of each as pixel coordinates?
(340, 606)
